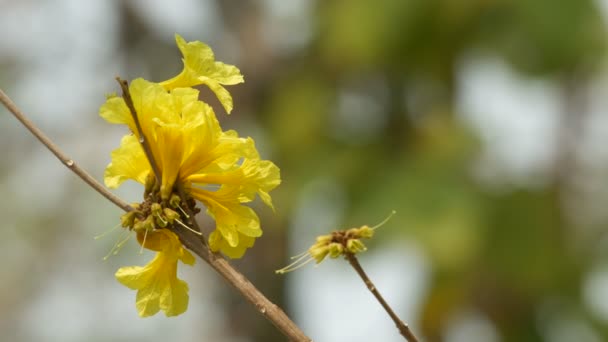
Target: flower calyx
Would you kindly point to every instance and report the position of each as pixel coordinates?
(156, 213)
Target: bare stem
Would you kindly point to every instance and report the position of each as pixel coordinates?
(65, 160)
(268, 309)
(403, 328)
(126, 95)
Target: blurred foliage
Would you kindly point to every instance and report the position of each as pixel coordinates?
(502, 253)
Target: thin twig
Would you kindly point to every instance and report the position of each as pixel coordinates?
(403, 328)
(65, 160)
(126, 95)
(268, 309)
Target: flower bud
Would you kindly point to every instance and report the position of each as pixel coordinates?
(170, 214)
(318, 252)
(175, 201)
(363, 232)
(127, 220)
(138, 225)
(156, 209)
(150, 184)
(148, 223)
(160, 222)
(355, 246)
(335, 250)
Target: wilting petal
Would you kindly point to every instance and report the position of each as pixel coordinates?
(128, 162)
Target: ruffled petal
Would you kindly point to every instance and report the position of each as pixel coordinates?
(128, 162)
(218, 244)
(174, 300)
(151, 103)
(132, 276)
(234, 222)
(115, 110)
(157, 285)
(222, 94)
(200, 67)
(252, 176)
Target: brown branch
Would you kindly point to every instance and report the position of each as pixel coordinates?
(65, 160)
(403, 328)
(268, 309)
(126, 95)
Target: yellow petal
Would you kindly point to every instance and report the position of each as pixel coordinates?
(115, 110)
(252, 176)
(222, 94)
(128, 162)
(200, 67)
(174, 300)
(132, 276)
(157, 283)
(200, 143)
(146, 97)
(187, 258)
(230, 216)
(182, 97)
(218, 243)
(170, 147)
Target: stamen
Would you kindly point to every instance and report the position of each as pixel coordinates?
(183, 212)
(143, 243)
(385, 220)
(299, 257)
(126, 235)
(190, 229)
(121, 244)
(107, 232)
(293, 266)
(161, 220)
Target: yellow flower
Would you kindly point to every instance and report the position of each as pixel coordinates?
(200, 67)
(341, 242)
(218, 168)
(157, 285)
(186, 149)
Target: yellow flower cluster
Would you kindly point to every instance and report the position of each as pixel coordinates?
(340, 242)
(192, 152)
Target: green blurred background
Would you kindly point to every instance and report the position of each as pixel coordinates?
(482, 123)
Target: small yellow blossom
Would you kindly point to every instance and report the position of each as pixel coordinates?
(200, 67)
(157, 285)
(337, 243)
